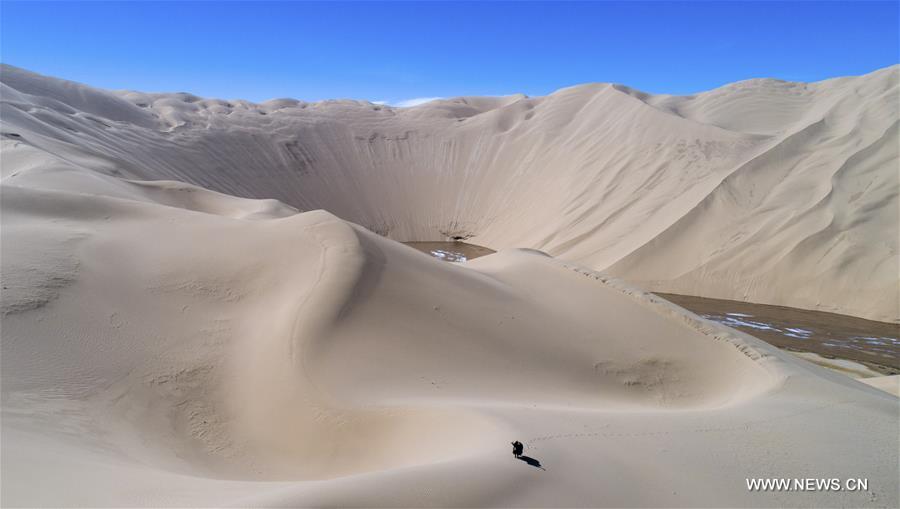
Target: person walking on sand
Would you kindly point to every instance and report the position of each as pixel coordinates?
(518, 448)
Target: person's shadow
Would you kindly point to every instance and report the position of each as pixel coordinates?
(531, 461)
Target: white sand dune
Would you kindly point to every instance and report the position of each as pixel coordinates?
(165, 344)
(765, 191)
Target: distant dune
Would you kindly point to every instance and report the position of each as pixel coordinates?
(766, 191)
(176, 333)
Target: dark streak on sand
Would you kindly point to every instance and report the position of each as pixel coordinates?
(874, 344)
(455, 251)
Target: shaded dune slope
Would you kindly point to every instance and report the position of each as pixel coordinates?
(767, 191)
(235, 366)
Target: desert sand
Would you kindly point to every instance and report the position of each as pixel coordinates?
(182, 325)
(889, 384)
(763, 191)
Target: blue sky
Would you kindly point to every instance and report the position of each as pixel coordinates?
(400, 51)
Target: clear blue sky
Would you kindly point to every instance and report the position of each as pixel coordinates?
(398, 51)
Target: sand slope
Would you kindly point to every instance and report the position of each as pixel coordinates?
(890, 384)
(164, 344)
(768, 191)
